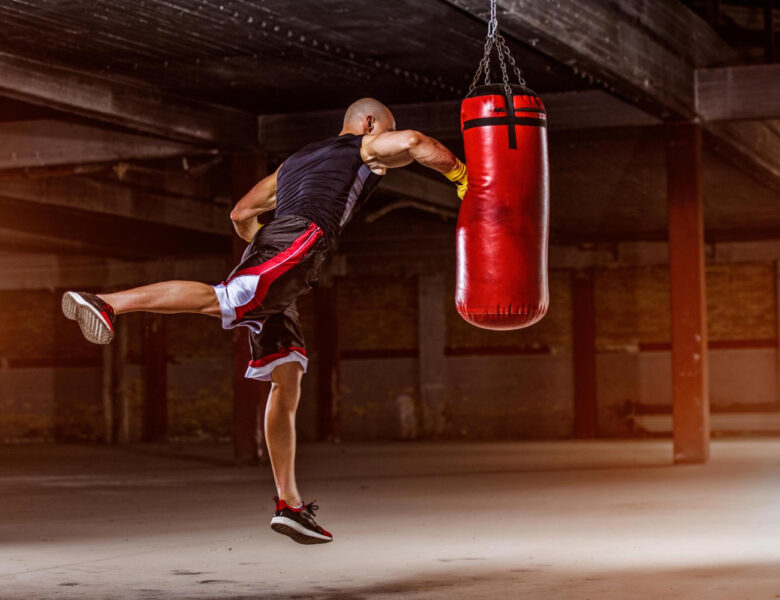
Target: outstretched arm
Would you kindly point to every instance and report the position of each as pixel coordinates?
(399, 148)
(258, 200)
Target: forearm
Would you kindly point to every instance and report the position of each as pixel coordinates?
(431, 153)
(246, 229)
(260, 199)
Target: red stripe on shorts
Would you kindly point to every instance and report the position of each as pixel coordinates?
(261, 362)
(273, 269)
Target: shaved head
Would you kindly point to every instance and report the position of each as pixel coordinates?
(368, 115)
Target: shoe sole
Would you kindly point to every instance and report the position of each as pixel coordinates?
(288, 528)
(89, 319)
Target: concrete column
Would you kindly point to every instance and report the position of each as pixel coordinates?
(116, 410)
(690, 386)
(432, 332)
(248, 396)
(328, 371)
(155, 420)
(777, 334)
(584, 354)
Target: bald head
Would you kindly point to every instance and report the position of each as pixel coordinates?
(368, 115)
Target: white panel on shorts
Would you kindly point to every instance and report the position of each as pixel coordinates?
(264, 373)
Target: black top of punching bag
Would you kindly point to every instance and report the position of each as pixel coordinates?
(498, 89)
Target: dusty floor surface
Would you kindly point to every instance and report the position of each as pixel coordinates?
(600, 520)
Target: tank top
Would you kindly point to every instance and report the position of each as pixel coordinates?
(326, 182)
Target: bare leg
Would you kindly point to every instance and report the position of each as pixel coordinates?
(166, 297)
(280, 428)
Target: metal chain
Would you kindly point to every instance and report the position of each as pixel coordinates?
(511, 59)
(494, 38)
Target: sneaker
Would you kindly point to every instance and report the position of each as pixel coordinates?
(299, 523)
(95, 317)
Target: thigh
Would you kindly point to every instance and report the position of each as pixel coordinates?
(280, 341)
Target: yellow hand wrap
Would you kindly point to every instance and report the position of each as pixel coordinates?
(460, 176)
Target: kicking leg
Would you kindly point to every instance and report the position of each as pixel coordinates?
(95, 314)
(166, 297)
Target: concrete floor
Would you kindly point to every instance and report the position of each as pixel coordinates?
(555, 520)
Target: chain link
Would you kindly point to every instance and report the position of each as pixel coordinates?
(494, 38)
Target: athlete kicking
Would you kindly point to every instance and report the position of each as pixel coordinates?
(315, 193)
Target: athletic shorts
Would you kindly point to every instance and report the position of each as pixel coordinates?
(280, 265)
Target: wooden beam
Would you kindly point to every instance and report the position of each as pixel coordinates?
(644, 52)
(51, 271)
(47, 143)
(134, 106)
(584, 353)
(121, 201)
(690, 383)
(284, 133)
(752, 146)
(103, 234)
(738, 93)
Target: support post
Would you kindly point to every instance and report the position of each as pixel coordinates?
(116, 412)
(108, 396)
(248, 395)
(432, 339)
(770, 50)
(712, 12)
(328, 359)
(155, 423)
(777, 330)
(690, 385)
(584, 354)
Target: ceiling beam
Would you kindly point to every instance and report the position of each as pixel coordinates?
(104, 234)
(752, 146)
(736, 93)
(48, 143)
(645, 52)
(52, 271)
(131, 105)
(116, 200)
(285, 133)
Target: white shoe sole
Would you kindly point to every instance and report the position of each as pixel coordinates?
(298, 532)
(92, 323)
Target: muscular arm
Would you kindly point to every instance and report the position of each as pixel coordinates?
(399, 148)
(261, 198)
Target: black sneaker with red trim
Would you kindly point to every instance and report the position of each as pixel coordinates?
(95, 317)
(299, 523)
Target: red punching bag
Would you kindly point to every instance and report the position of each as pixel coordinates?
(503, 224)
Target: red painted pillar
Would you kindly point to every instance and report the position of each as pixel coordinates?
(690, 386)
(328, 358)
(249, 396)
(584, 354)
(155, 422)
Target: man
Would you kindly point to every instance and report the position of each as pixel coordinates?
(315, 192)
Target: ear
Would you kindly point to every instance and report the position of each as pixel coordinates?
(370, 124)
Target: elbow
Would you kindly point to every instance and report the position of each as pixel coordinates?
(235, 216)
(413, 139)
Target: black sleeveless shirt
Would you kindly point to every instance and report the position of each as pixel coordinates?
(326, 182)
